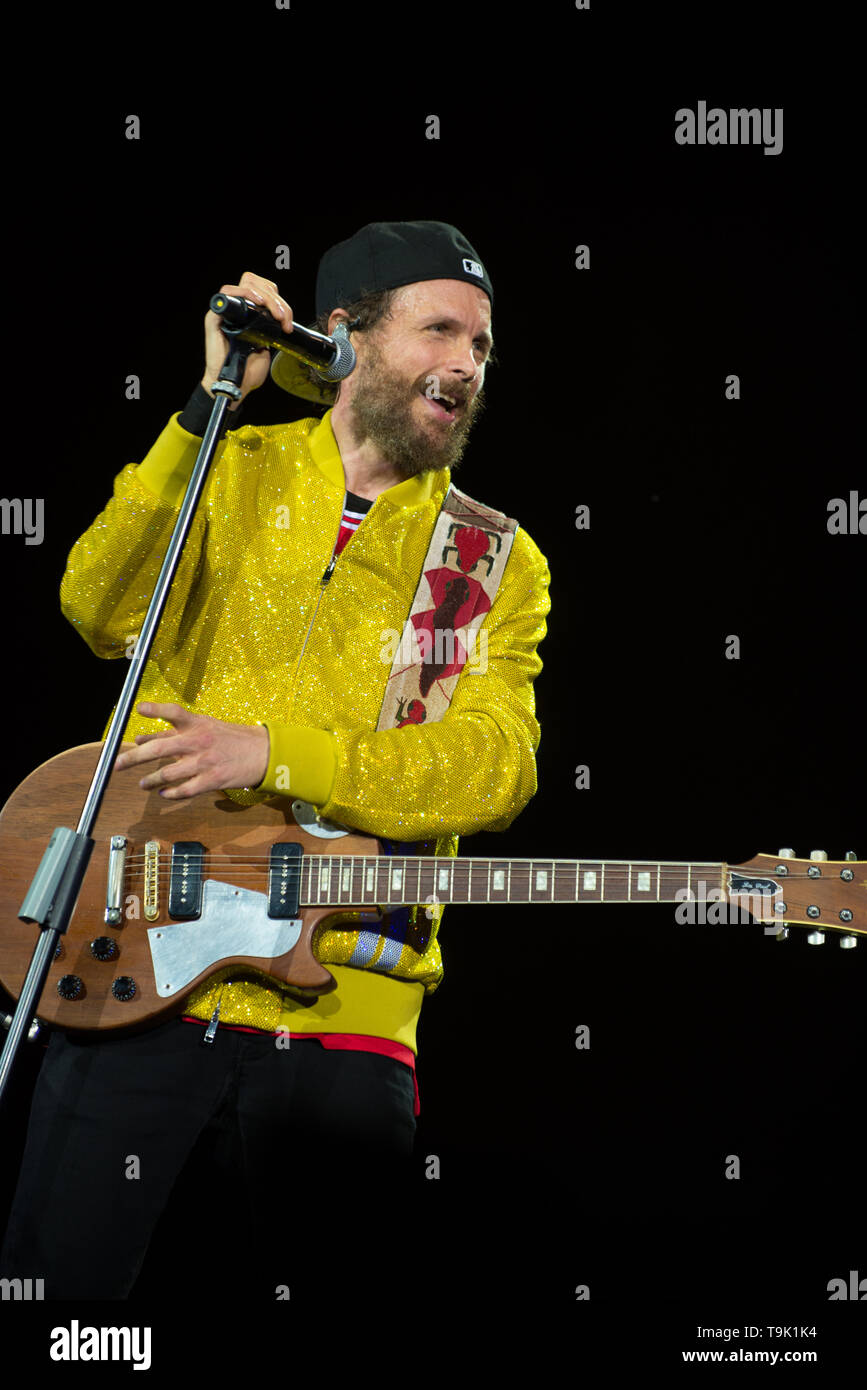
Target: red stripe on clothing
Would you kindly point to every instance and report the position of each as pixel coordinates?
(344, 534)
(349, 1042)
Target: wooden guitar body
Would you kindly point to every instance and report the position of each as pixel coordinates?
(236, 866)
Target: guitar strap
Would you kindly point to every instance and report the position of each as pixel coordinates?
(460, 575)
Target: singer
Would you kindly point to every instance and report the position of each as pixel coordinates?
(271, 676)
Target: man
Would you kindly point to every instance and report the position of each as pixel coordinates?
(308, 547)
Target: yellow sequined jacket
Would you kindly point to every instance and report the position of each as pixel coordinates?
(231, 644)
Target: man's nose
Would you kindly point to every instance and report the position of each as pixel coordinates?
(466, 364)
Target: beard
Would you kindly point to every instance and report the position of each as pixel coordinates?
(382, 409)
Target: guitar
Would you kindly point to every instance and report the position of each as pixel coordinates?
(176, 890)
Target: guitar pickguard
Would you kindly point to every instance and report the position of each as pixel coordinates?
(310, 820)
(233, 922)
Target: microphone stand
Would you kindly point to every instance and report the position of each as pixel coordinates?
(53, 893)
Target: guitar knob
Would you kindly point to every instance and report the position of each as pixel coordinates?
(70, 987)
(847, 942)
(783, 933)
(104, 948)
(850, 856)
(786, 854)
(816, 938)
(818, 854)
(123, 988)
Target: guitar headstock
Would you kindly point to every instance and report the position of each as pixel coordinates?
(825, 895)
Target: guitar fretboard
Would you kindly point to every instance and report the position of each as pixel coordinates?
(390, 880)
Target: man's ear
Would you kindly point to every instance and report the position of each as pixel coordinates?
(341, 316)
(337, 316)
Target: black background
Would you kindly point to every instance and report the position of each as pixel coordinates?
(560, 1167)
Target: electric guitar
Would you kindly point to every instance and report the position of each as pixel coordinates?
(177, 890)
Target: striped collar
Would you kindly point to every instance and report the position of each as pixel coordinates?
(412, 492)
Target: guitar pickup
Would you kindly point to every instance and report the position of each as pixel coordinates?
(185, 883)
(284, 880)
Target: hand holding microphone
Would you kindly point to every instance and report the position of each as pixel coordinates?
(267, 326)
(259, 291)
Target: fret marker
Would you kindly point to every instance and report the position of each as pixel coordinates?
(396, 875)
(370, 873)
(499, 878)
(324, 876)
(347, 883)
(443, 878)
(589, 880)
(643, 881)
(542, 879)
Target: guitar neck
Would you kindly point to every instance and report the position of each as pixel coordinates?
(393, 880)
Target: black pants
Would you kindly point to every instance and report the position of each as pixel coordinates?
(306, 1146)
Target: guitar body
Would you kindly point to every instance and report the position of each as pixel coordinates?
(237, 842)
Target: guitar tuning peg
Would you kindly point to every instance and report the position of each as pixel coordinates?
(786, 854)
(816, 938)
(850, 855)
(818, 854)
(847, 942)
(783, 933)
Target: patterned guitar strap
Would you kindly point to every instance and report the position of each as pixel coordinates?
(460, 576)
(459, 580)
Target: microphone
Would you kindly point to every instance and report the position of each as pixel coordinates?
(332, 358)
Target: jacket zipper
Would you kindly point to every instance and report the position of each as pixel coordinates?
(322, 583)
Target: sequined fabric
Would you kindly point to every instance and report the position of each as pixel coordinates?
(249, 635)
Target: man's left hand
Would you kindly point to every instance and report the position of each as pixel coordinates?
(209, 754)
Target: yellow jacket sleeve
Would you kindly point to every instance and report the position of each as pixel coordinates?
(112, 570)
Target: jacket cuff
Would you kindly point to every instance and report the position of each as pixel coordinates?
(302, 762)
(167, 467)
(196, 414)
